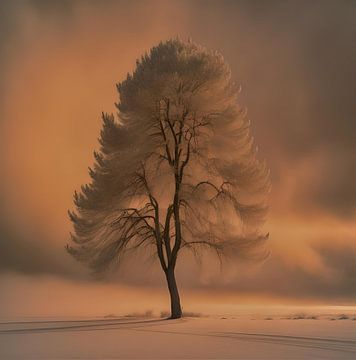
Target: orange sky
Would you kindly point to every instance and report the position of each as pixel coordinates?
(61, 64)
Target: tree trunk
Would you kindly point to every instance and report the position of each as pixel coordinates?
(176, 310)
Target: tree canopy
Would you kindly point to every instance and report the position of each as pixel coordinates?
(177, 169)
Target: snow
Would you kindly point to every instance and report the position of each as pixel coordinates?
(187, 338)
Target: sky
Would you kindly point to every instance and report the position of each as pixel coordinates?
(295, 61)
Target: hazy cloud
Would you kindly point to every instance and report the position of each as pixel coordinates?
(295, 61)
(27, 250)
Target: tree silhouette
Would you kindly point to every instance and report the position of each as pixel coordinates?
(177, 169)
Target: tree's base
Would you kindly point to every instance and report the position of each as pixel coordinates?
(175, 317)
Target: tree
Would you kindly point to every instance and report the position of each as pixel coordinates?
(177, 169)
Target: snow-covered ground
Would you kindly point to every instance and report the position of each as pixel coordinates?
(214, 337)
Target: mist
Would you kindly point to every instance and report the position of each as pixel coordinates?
(295, 62)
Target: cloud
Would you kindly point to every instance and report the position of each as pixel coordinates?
(341, 259)
(27, 251)
(295, 61)
(281, 277)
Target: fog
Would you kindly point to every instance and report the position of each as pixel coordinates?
(295, 60)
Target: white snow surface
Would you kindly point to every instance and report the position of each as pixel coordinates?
(188, 338)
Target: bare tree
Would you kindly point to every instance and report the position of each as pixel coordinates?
(177, 169)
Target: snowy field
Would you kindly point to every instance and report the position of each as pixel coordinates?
(214, 337)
